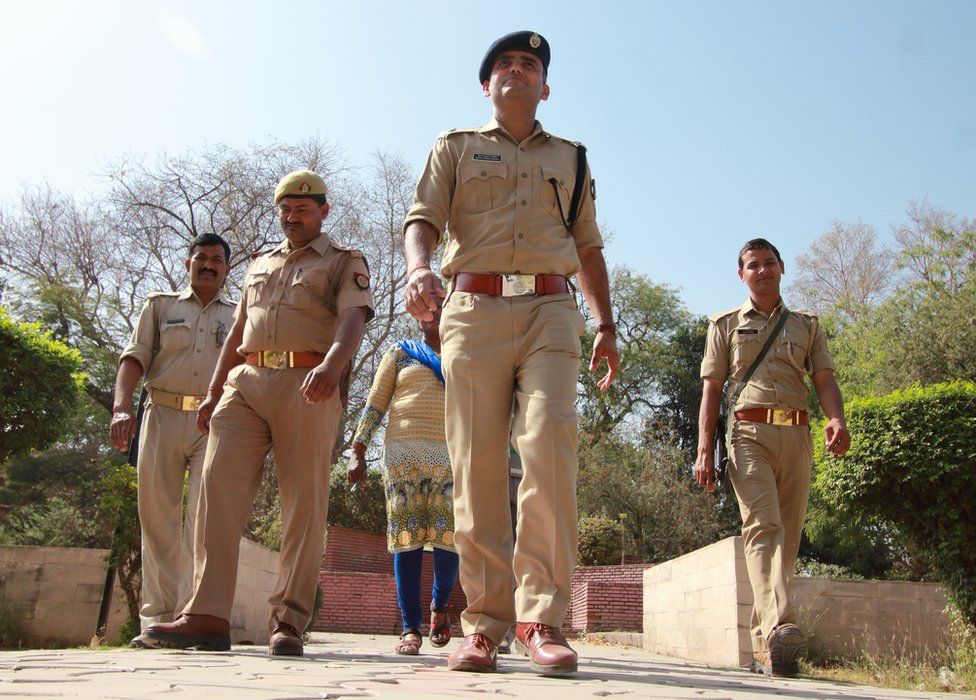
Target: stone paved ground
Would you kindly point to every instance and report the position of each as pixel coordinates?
(362, 666)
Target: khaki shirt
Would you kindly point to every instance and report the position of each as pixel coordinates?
(177, 340)
(735, 338)
(494, 197)
(294, 298)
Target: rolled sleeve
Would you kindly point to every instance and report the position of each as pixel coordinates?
(432, 199)
(350, 292)
(144, 340)
(819, 357)
(586, 233)
(715, 363)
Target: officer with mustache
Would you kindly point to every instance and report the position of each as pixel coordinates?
(175, 344)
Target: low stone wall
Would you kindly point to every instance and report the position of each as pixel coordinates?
(699, 607)
(606, 598)
(56, 592)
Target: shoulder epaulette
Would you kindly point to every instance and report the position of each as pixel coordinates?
(258, 253)
(153, 295)
(465, 130)
(805, 312)
(354, 252)
(715, 318)
(574, 144)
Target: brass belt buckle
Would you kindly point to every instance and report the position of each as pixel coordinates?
(275, 359)
(781, 416)
(518, 285)
(190, 403)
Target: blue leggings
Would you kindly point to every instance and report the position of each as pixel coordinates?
(407, 567)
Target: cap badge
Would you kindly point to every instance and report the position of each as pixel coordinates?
(535, 41)
(305, 189)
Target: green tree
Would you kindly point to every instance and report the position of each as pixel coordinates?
(912, 468)
(118, 505)
(668, 514)
(599, 541)
(40, 382)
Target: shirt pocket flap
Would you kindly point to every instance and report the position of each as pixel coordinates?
(482, 170)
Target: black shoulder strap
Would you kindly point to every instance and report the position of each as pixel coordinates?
(577, 198)
(759, 358)
(574, 203)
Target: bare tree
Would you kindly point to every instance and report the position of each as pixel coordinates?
(844, 270)
(937, 247)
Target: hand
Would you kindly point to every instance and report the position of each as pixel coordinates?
(420, 296)
(837, 438)
(321, 383)
(122, 429)
(705, 470)
(357, 469)
(605, 346)
(205, 410)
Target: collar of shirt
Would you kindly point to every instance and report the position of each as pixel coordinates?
(319, 244)
(188, 294)
(493, 125)
(749, 308)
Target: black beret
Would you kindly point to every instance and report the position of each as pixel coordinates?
(532, 42)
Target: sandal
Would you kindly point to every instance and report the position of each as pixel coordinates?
(440, 634)
(409, 644)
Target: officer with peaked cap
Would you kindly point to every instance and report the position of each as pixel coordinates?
(514, 207)
(276, 385)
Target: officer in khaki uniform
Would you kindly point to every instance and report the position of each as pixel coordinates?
(297, 327)
(175, 344)
(499, 198)
(770, 443)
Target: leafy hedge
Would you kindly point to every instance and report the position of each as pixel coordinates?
(912, 465)
(39, 386)
(599, 541)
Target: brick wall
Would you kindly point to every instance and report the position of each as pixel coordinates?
(359, 589)
(607, 598)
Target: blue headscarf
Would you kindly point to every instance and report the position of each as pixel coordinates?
(424, 354)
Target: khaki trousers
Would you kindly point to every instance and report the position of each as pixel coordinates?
(771, 475)
(263, 408)
(495, 350)
(170, 445)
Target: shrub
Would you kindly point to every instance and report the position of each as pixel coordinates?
(599, 541)
(40, 384)
(913, 466)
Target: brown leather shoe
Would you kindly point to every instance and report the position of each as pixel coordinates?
(476, 653)
(204, 632)
(786, 644)
(547, 649)
(285, 641)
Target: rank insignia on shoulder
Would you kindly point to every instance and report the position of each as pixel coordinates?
(362, 281)
(487, 156)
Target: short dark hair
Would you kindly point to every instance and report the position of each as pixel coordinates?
(209, 239)
(317, 198)
(759, 244)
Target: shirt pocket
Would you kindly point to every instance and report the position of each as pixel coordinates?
(792, 353)
(745, 349)
(256, 287)
(483, 185)
(310, 288)
(175, 335)
(556, 192)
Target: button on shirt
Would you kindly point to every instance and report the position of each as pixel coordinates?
(494, 199)
(734, 340)
(177, 340)
(294, 297)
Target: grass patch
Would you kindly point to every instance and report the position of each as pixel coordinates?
(894, 674)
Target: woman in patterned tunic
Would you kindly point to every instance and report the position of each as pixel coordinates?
(417, 477)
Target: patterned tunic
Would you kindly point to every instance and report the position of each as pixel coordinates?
(417, 469)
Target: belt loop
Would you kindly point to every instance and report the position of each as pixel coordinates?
(769, 415)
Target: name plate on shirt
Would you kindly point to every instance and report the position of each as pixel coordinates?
(747, 331)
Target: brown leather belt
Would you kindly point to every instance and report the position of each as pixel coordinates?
(177, 401)
(510, 285)
(776, 416)
(284, 359)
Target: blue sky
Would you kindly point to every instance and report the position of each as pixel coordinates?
(707, 123)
